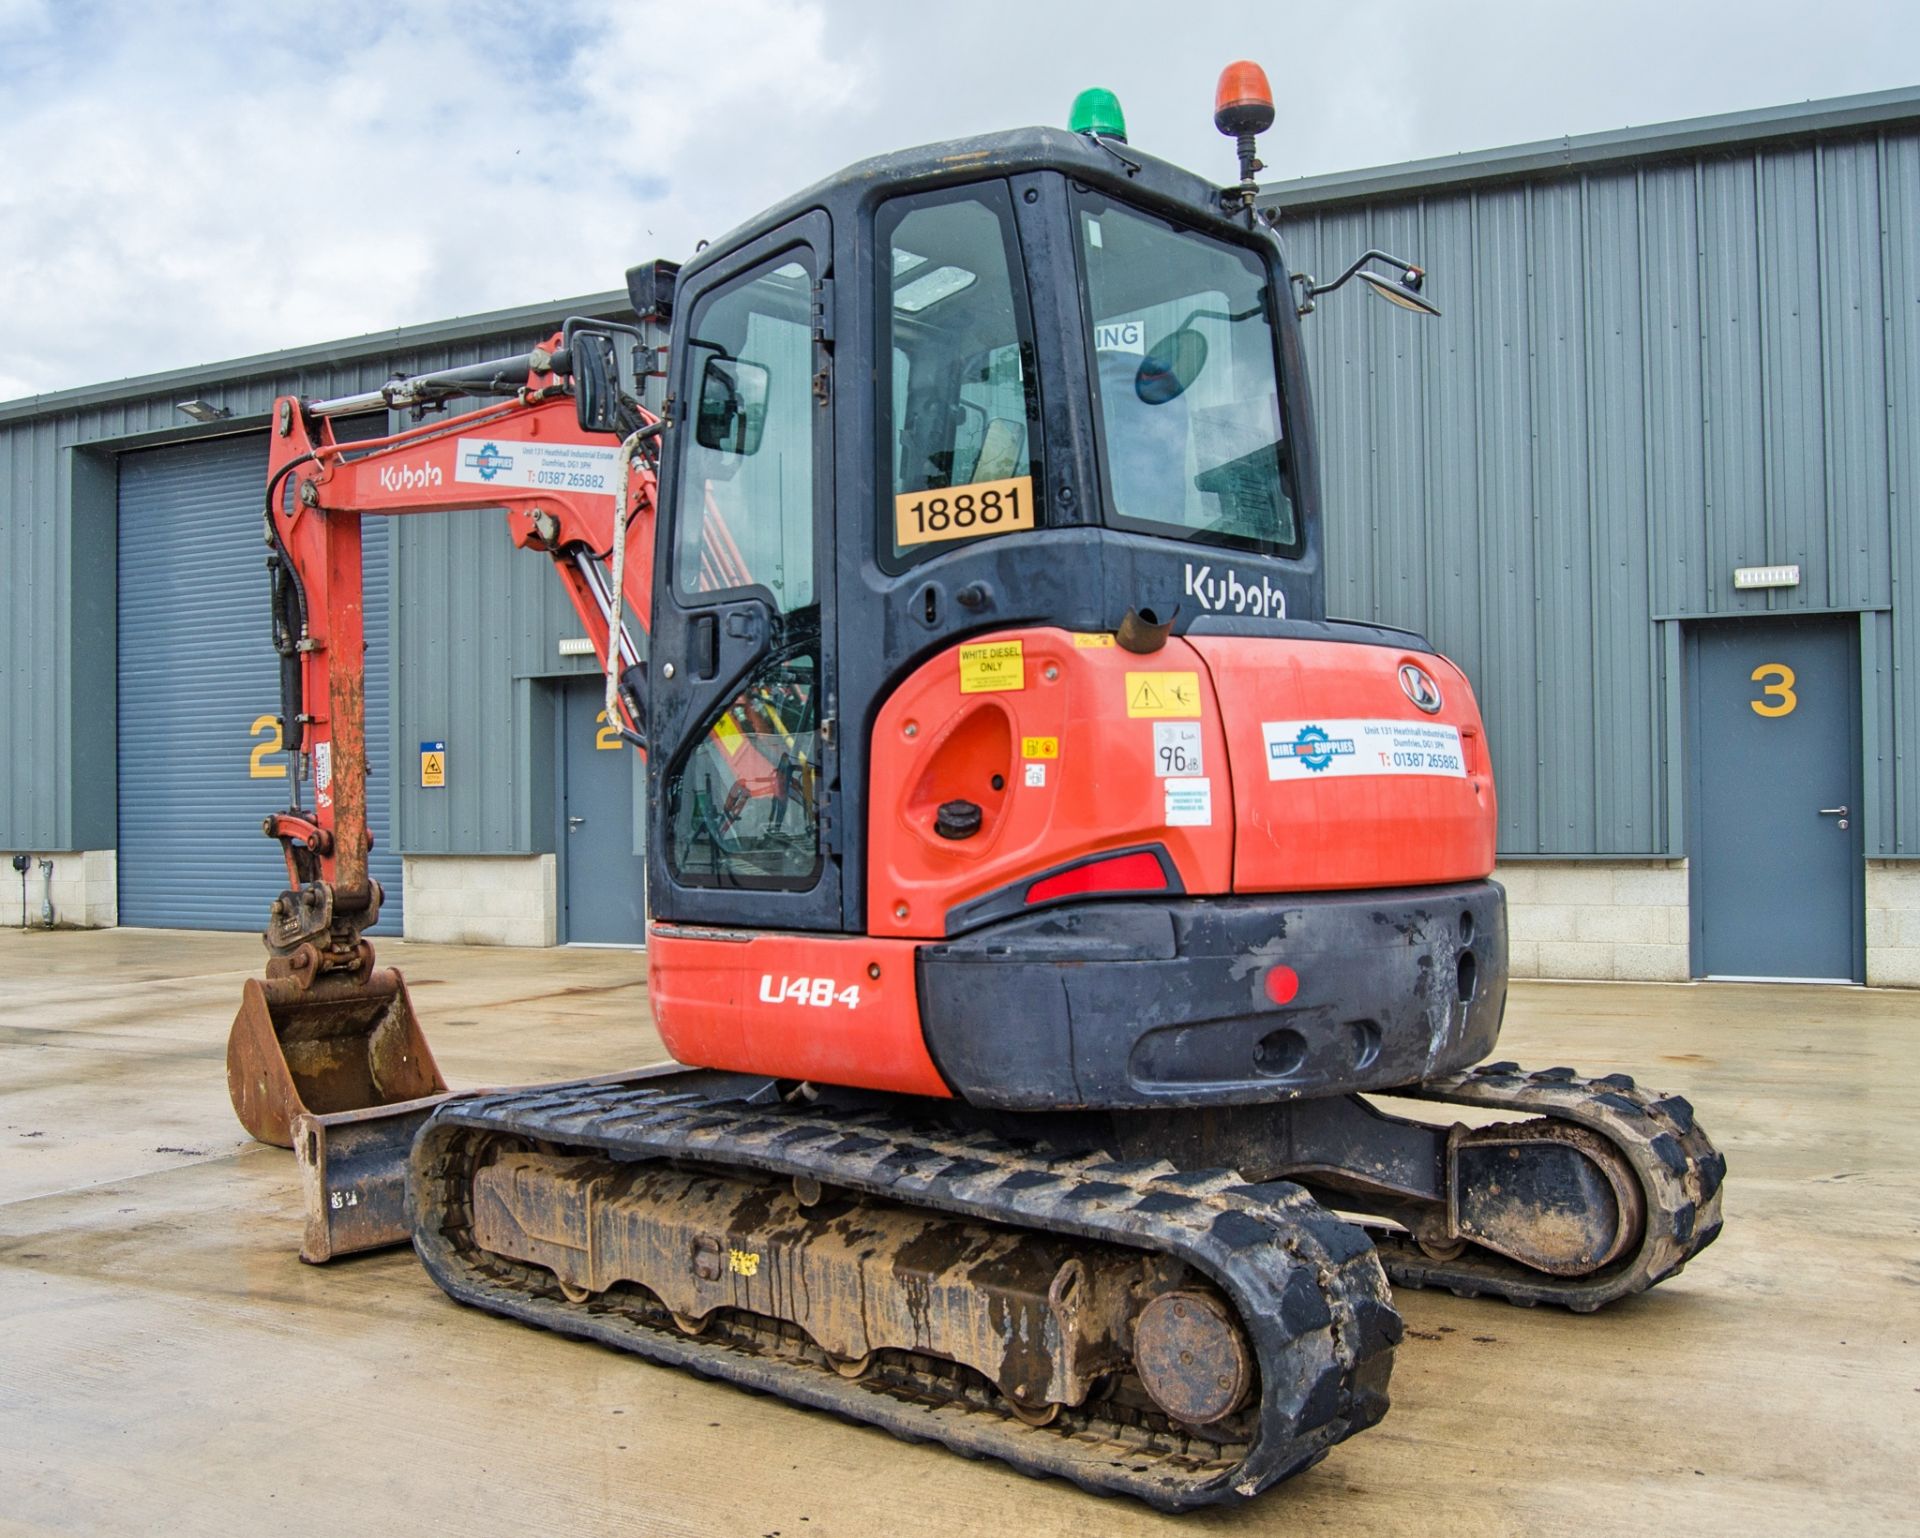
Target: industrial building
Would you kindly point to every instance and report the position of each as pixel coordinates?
(1652, 479)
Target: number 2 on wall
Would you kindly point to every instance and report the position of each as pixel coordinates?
(267, 729)
(1781, 698)
(607, 735)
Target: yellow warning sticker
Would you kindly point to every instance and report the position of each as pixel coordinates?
(1085, 642)
(992, 667)
(1039, 747)
(433, 765)
(1163, 694)
(729, 735)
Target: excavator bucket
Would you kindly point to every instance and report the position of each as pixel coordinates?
(334, 1044)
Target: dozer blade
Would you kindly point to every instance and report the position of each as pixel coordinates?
(353, 1176)
(353, 1167)
(336, 1044)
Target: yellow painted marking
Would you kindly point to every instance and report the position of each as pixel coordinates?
(1039, 747)
(744, 1262)
(963, 512)
(267, 728)
(992, 667)
(1163, 694)
(1780, 690)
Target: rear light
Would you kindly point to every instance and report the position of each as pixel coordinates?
(1282, 984)
(1139, 871)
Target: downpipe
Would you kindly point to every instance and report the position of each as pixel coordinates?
(46, 900)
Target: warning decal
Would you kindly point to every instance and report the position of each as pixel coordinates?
(1164, 694)
(433, 765)
(992, 667)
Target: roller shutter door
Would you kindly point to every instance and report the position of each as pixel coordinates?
(198, 689)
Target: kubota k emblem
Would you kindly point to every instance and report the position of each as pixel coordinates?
(1418, 685)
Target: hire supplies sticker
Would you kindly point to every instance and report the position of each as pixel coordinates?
(992, 667)
(1164, 694)
(1176, 748)
(1189, 803)
(546, 466)
(1329, 749)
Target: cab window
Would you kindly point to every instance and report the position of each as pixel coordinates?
(743, 805)
(960, 406)
(1184, 372)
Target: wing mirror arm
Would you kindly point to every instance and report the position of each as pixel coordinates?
(1403, 290)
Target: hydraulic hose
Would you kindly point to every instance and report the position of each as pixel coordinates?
(622, 515)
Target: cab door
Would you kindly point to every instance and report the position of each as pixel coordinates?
(741, 697)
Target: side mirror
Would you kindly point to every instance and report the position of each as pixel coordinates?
(1170, 366)
(732, 413)
(1403, 290)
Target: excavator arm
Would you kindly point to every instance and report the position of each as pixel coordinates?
(564, 449)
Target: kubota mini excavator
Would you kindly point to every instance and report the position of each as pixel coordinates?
(1038, 877)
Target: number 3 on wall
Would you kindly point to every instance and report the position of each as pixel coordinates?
(1781, 698)
(267, 729)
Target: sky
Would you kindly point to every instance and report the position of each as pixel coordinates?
(182, 183)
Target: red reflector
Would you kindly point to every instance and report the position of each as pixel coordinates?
(1136, 872)
(1282, 984)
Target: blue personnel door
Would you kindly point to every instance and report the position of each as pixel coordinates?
(1777, 856)
(603, 868)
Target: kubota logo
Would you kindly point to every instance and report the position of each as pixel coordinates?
(409, 477)
(1228, 594)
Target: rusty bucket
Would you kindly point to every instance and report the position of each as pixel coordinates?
(334, 1044)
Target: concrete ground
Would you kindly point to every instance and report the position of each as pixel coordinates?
(168, 1366)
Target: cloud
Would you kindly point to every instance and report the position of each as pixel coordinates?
(190, 183)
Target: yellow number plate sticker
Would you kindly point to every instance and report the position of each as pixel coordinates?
(992, 667)
(963, 512)
(1039, 747)
(1163, 694)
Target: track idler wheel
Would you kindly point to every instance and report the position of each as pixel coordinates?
(1551, 1195)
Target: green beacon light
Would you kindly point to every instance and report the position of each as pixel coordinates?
(1096, 111)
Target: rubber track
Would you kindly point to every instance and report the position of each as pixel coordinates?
(1307, 1286)
(1679, 1169)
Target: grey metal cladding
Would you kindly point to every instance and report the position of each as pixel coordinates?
(57, 653)
(1646, 375)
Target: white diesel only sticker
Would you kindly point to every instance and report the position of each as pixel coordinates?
(543, 466)
(1325, 749)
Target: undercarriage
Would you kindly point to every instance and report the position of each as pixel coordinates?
(1164, 1305)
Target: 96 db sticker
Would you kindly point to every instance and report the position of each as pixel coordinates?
(1325, 749)
(1176, 748)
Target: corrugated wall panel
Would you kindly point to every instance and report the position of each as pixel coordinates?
(1673, 328)
(1899, 227)
(1643, 379)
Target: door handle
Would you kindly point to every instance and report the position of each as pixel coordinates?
(704, 651)
(575, 824)
(1833, 811)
